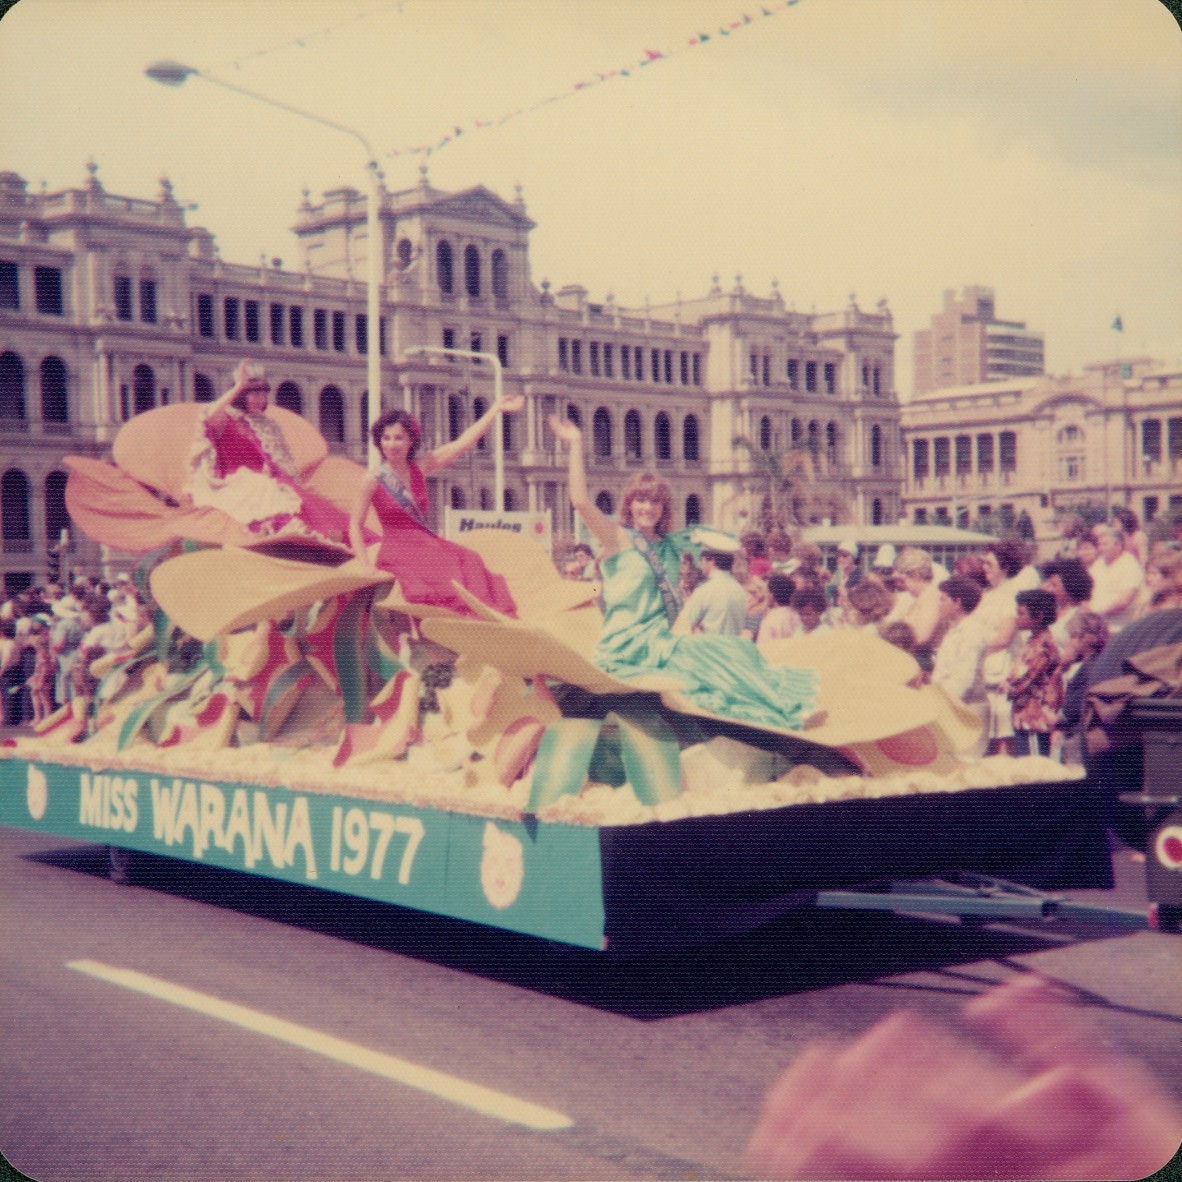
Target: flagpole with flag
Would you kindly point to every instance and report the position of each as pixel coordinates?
(1118, 326)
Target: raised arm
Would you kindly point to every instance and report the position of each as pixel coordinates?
(245, 373)
(464, 443)
(606, 531)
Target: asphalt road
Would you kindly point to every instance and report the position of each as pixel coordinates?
(206, 1024)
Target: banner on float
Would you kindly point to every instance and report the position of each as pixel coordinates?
(543, 880)
(461, 523)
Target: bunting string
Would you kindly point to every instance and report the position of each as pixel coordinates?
(646, 59)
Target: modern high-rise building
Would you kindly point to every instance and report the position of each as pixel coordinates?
(112, 305)
(967, 344)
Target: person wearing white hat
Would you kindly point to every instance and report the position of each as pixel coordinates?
(846, 572)
(719, 603)
(884, 560)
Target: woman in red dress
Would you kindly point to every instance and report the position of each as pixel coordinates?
(243, 466)
(424, 564)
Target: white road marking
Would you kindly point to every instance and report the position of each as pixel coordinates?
(486, 1101)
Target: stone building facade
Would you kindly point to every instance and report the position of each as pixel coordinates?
(112, 305)
(1047, 445)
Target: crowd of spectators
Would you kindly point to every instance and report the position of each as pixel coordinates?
(50, 636)
(1013, 641)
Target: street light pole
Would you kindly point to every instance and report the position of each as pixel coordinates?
(170, 73)
(498, 436)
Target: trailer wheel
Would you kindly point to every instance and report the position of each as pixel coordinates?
(120, 864)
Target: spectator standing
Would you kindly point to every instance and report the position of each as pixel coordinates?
(1005, 567)
(1136, 539)
(779, 551)
(1066, 579)
(719, 605)
(956, 667)
(845, 571)
(781, 620)
(809, 604)
(1087, 636)
(1117, 578)
(759, 564)
(759, 602)
(44, 667)
(1035, 682)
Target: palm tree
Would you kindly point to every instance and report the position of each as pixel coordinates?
(785, 477)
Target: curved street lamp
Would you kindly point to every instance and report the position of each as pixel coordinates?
(170, 73)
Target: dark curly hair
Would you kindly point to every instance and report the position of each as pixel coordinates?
(397, 418)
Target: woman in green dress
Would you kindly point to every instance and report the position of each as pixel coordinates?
(724, 675)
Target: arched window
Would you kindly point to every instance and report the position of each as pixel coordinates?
(479, 406)
(797, 432)
(633, 443)
(203, 390)
(457, 497)
(814, 441)
(601, 432)
(572, 413)
(443, 267)
(289, 397)
(455, 417)
(57, 516)
(662, 437)
(500, 274)
(876, 447)
(765, 434)
(365, 418)
(405, 251)
(486, 499)
(603, 503)
(831, 442)
(14, 509)
(510, 500)
(12, 387)
(507, 436)
(332, 414)
(693, 509)
(689, 438)
(876, 511)
(55, 398)
(472, 271)
(143, 382)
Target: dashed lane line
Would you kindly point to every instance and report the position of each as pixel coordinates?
(462, 1092)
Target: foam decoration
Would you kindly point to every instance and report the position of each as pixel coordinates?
(154, 447)
(537, 588)
(924, 748)
(111, 507)
(531, 650)
(251, 587)
(725, 762)
(651, 754)
(338, 479)
(348, 653)
(391, 733)
(563, 760)
(65, 725)
(844, 654)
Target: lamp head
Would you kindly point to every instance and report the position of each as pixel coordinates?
(169, 73)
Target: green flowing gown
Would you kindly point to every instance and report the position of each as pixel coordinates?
(725, 675)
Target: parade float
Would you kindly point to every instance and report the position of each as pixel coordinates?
(290, 714)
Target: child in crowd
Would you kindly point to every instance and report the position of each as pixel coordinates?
(781, 620)
(1035, 682)
(809, 603)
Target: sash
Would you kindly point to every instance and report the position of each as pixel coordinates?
(394, 486)
(669, 596)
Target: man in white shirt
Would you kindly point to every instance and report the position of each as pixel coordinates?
(957, 666)
(1117, 577)
(719, 603)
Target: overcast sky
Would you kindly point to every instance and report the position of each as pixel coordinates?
(889, 148)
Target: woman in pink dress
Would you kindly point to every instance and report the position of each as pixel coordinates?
(424, 564)
(243, 466)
